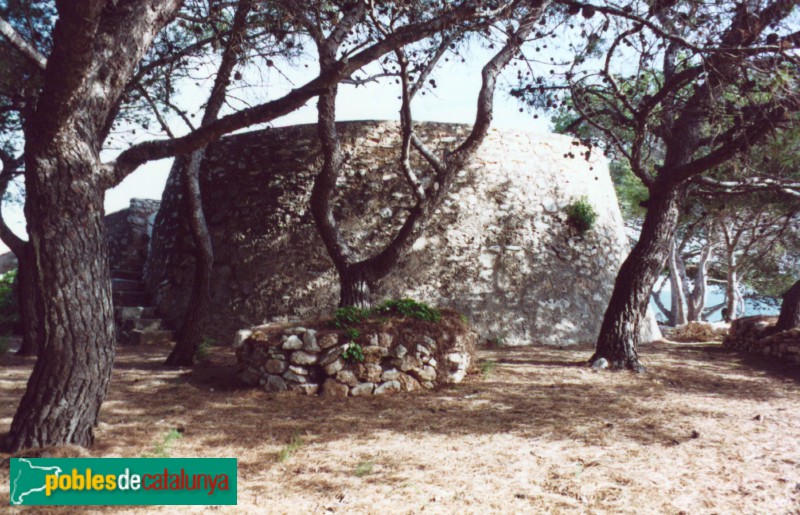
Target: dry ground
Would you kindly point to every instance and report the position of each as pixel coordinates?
(705, 431)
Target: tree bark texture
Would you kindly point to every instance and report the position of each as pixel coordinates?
(790, 309)
(70, 379)
(97, 46)
(355, 289)
(191, 331)
(627, 308)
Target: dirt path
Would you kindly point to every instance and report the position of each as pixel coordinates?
(703, 432)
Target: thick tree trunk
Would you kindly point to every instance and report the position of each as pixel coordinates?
(790, 309)
(627, 309)
(65, 225)
(354, 289)
(29, 301)
(191, 331)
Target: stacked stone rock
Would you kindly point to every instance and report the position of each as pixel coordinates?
(757, 334)
(311, 361)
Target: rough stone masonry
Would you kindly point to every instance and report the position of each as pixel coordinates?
(499, 250)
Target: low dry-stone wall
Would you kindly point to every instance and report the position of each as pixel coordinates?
(757, 334)
(398, 355)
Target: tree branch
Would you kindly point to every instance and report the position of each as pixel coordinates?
(25, 48)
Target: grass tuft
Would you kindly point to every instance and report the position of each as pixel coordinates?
(292, 447)
(364, 468)
(487, 367)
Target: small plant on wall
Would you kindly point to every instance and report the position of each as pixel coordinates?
(581, 215)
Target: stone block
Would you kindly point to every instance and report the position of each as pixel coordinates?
(296, 378)
(408, 383)
(240, 337)
(334, 367)
(332, 354)
(362, 389)
(327, 341)
(347, 377)
(334, 388)
(387, 387)
(303, 358)
(390, 375)
(369, 372)
(275, 384)
(292, 342)
(304, 388)
(275, 366)
(310, 341)
(374, 353)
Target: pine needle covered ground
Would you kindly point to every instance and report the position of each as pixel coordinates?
(705, 431)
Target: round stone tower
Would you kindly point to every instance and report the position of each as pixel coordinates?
(500, 249)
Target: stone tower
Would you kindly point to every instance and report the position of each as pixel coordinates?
(499, 250)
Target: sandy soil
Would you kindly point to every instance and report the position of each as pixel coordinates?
(704, 431)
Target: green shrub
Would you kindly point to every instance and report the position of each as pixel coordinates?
(3, 345)
(350, 316)
(352, 334)
(581, 215)
(353, 353)
(9, 311)
(411, 309)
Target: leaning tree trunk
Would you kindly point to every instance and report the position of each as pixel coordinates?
(194, 321)
(65, 225)
(191, 331)
(29, 301)
(790, 309)
(619, 333)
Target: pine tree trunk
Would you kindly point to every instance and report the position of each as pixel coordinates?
(354, 290)
(790, 309)
(678, 306)
(194, 321)
(191, 331)
(65, 225)
(619, 333)
(731, 290)
(29, 302)
(697, 297)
